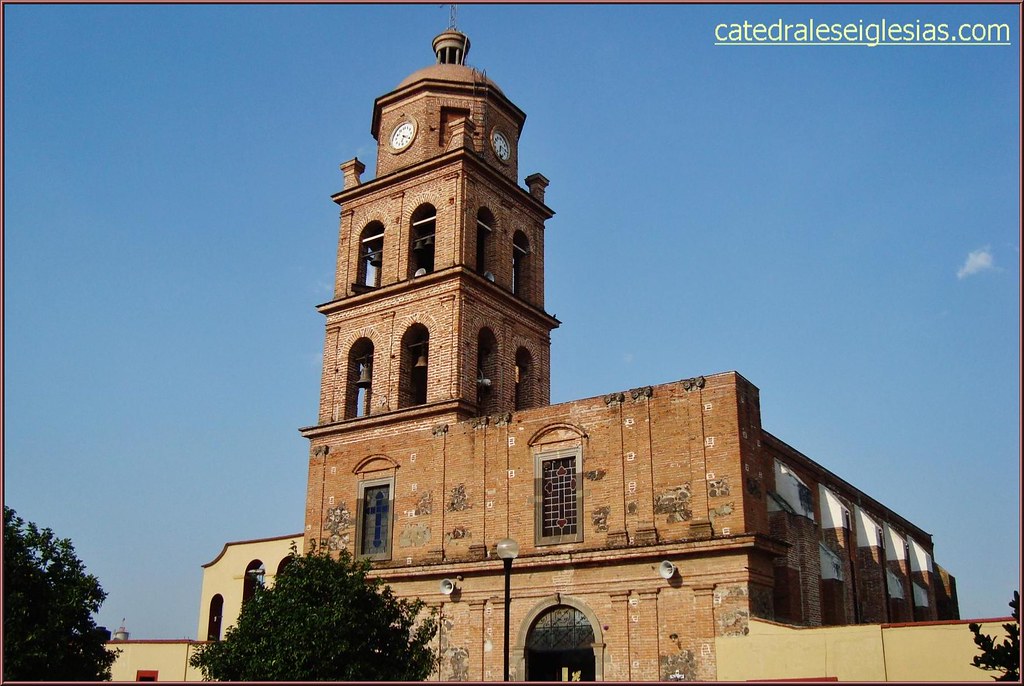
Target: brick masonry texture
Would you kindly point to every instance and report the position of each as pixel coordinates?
(680, 471)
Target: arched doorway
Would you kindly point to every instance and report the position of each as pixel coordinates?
(560, 646)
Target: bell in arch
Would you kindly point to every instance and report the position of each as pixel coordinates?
(421, 361)
(365, 380)
(375, 258)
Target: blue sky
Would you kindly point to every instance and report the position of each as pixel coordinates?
(838, 224)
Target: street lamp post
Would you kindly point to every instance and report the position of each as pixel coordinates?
(508, 550)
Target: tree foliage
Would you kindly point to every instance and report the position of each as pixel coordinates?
(49, 601)
(323, 619)
(1003, 657)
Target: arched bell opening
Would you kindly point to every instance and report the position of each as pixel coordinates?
(486, 372)
(414, 366)
(421, 237)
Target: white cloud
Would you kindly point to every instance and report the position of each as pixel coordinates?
(977, 261)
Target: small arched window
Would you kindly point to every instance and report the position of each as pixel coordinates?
(371, 255)
(523, 380)
(415, 363)
(520, 263)
(484, 229)
(360, 379)
(253, 579)
(486, 372)
(216, 614)
(421, 237)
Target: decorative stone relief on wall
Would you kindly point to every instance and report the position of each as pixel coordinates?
(679, 666)
(458, 659)
(720, 511)
(753, 487)
(599, 517)
(339, 519)
(458, 500)
(595, 474)
(632, 507)
(733, 623)
(414, 535)
(675, 503)
(457, 534)
(718, 487)
(425, 504)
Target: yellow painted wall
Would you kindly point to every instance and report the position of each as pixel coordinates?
(936, 652)
(225, 575)
(940, 651)
(168, 658)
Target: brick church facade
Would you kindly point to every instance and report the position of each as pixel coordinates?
(435, 439)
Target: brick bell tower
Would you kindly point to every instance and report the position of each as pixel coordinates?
(438, 308)
(438, 302)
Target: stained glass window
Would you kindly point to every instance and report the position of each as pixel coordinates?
(376, 520)
(558, 489)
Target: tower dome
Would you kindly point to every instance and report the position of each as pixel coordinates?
(450, 50)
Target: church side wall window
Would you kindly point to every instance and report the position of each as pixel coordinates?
(371, 256)
(374, 518)
(520, 264)
(558, 498)
(359, 379)
(484, 230)
(421, 237)
(414, 366)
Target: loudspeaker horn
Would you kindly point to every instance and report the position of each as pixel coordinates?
(447, 586)
(666, 570)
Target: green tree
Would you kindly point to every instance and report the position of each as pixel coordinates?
(1004, 657)
(323, 619)
(49, 601)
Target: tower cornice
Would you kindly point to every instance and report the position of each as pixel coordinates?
(465, 277)
(385, 183)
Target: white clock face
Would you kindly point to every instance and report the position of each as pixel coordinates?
(500, 145)
(402, 136)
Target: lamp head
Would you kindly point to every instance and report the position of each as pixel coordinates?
(507, 549)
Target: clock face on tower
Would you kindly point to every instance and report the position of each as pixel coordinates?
(500, 144)
(402, 136)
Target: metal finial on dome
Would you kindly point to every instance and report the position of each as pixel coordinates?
(451, 47)
(453, 15)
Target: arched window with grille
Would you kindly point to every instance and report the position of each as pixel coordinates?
(484, 242)
(359, 386)
(371, 256)
(560, 646)
(421, 240)
(414, 366)
(520, 264)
